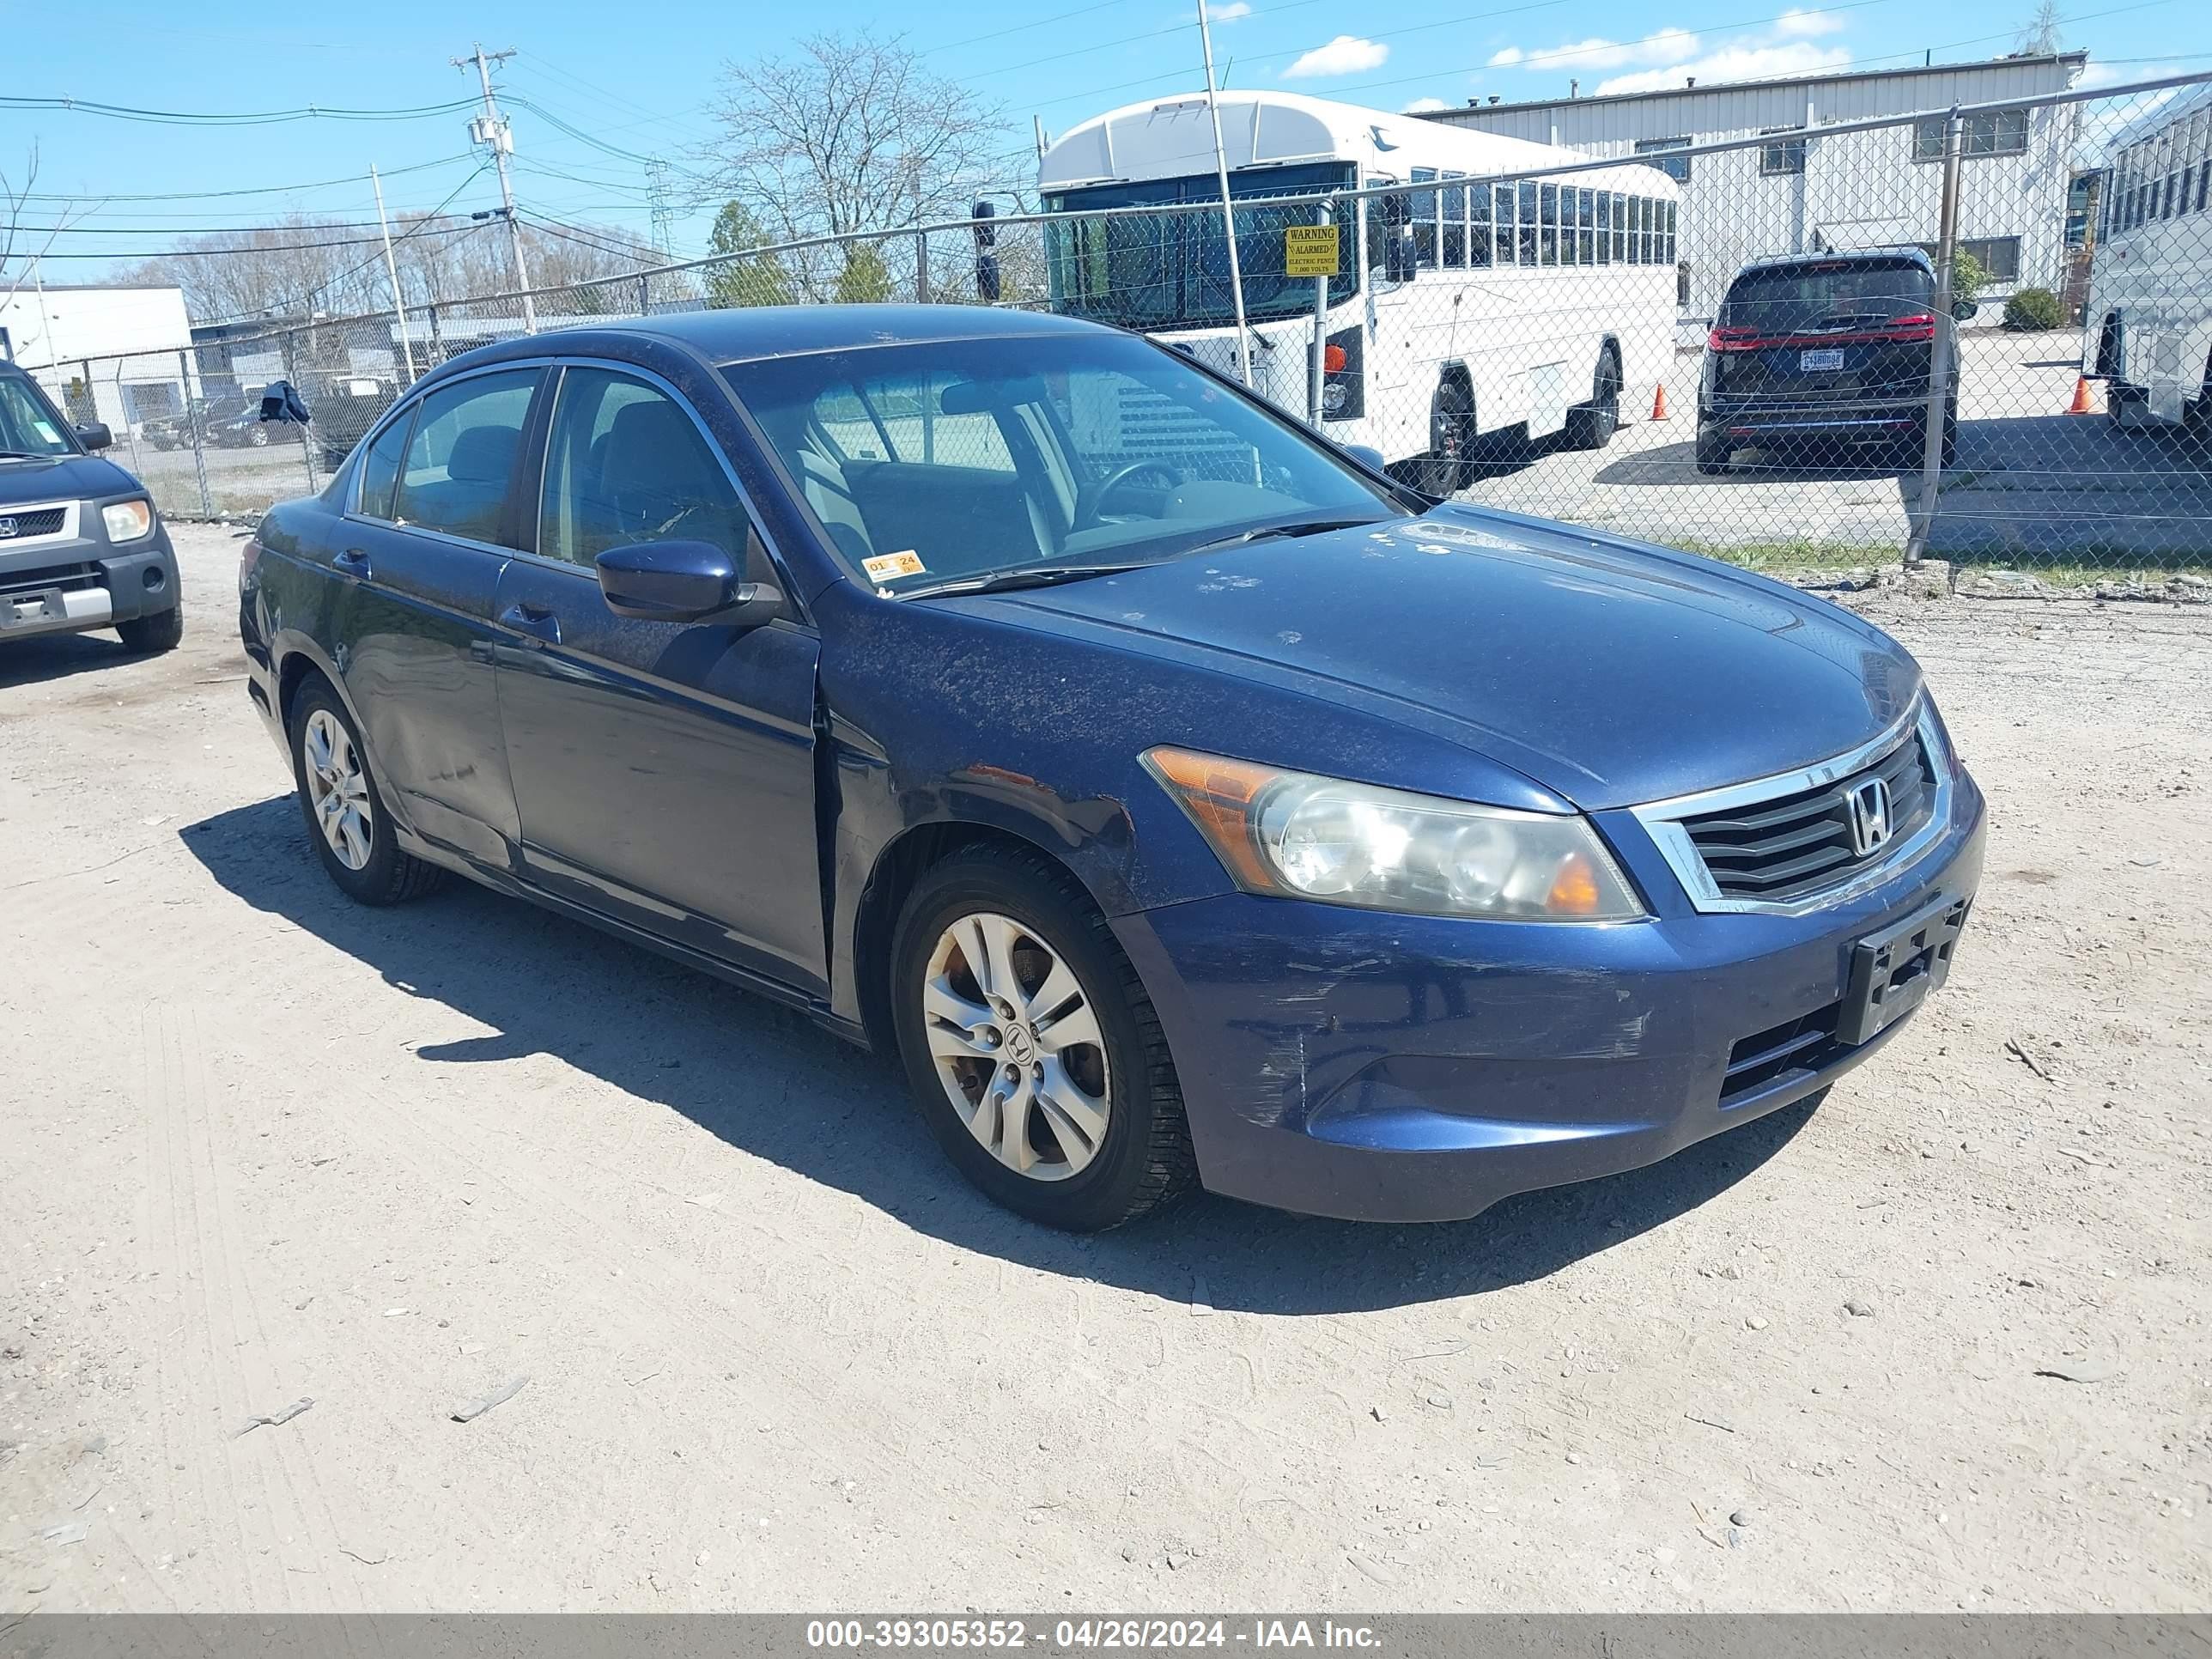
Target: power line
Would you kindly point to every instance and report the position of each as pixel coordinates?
(215, 252)
(250, 189)
(241, 119)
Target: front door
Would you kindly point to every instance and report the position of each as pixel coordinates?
(664, 772)
(420, 556)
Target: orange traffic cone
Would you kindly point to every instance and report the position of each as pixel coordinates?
(2083, 404)
(1659, 401)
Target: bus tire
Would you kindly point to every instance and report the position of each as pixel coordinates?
(1591, 425)
(1448, 467)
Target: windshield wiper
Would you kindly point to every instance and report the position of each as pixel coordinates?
(1295, 528)
(1006, 581)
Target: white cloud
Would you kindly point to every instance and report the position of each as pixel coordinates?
(1668, 45)
(1799, 25)
(1226, 13)
(1424, 106)
(1742, 60)
(1346, 55)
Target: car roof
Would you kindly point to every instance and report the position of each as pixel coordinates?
(1858, 256)
(748, 334)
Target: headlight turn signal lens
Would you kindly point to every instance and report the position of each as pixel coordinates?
(1293, 835)
(127, 522)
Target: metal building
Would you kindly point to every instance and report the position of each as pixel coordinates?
(1804, 193)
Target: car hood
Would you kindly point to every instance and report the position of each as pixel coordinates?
(64, 478)
(1609, 672)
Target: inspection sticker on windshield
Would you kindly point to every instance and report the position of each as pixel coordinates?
(888, 566)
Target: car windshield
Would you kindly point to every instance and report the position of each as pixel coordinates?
(967, 459)
(1794, 297)
(27, 426)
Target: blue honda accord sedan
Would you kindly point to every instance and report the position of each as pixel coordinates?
(1180, 799)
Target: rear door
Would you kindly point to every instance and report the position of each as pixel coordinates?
(421, 554)
(664, 772)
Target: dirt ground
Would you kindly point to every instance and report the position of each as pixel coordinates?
(258, 1147)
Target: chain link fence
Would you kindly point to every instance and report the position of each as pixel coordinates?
(1983, 335)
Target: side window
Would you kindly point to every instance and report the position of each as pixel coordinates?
(626, 462)
(379, 467)
(460, 457)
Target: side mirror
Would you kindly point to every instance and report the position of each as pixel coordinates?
(94, 434)
(681, 582)
(1367, 455)
(1963, 310)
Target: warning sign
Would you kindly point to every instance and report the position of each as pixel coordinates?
(1309, 251)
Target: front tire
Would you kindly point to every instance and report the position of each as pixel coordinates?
(1031, 1045)
(344, 808)
(160, 632)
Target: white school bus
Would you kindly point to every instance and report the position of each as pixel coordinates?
(2147, 327)
(1484, 295)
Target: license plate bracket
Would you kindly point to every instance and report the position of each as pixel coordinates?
(1823, 358)
(1893, 972)
(27, 610)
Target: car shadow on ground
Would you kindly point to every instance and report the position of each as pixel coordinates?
(57, 656)
(1677, 464)
(769, 1083)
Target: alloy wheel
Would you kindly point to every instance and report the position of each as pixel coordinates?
(337, 788)
(1017, 1046)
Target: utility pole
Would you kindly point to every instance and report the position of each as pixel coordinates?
(392, 270)
(1228, 209)
(490, 129)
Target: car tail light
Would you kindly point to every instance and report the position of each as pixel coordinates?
(249, 555)
(1734, 339)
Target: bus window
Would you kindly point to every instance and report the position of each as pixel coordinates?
(1672, 250)
(1455, 223)
(1585, 219)
(1547, 240)
(1525, 237)
(1424, 221)
(1605, 226)
(1479, 199)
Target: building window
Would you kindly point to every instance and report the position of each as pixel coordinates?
(1782, 159)
(1997, 256)
(1677, 168)
(1989, 132)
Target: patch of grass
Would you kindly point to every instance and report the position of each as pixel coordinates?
(1798, 555)
(2081, 566)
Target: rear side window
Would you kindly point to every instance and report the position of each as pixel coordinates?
(460, 457)
(1809, 296)
(379, 467)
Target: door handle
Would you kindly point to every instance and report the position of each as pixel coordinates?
(354, 563)
(537, 622)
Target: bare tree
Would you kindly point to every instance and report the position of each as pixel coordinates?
(848, 134)
(13, 202)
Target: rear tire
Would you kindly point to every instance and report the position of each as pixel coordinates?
(160, 632)
(328, 764)
(1591, 425)
(989, 1035)
(1714, 453)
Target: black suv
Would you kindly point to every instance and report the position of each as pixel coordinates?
(80, 545)
(1818, 352)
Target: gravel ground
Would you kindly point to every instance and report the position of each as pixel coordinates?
(1940, 1343)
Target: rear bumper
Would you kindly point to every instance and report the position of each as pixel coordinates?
(1881, 422)
(1392, 1068)
(69, 586)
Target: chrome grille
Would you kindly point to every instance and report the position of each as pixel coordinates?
(1801, 843)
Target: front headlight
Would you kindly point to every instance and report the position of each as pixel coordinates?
(127, 522)
(1292, 835)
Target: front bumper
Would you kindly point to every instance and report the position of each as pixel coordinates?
(1400, 1068)
(70, 585)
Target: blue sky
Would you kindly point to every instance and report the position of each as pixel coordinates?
(639, 79)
